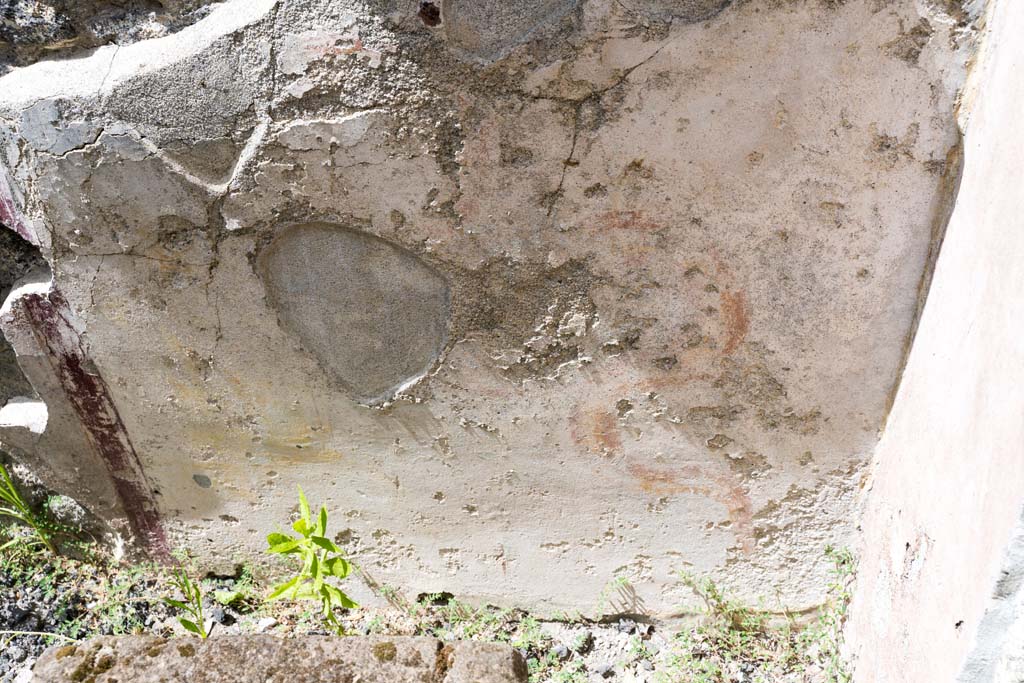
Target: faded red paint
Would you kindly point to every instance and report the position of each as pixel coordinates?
(49, 315)
(693, 479)
(357, 46)
(667, 481)
(327, 45)
(627, 220)
(680, 376)
(736, 319)
(597, 430)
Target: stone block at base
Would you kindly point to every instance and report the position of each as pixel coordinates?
(267, 659)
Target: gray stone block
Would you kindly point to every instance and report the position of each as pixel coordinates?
(266, 659)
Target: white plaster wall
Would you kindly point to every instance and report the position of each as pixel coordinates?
(948, 481)
(683, 257)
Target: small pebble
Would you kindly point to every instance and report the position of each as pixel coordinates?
(265, 623)
(561, 651)
(604, 670)
(25, 675)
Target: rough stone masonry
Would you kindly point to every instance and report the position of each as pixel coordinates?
(533, 295)
(265, 659)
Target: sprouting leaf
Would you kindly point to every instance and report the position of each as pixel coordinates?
(301, 526)
(284, 548)
(280, 588)
(339, 598)
(191, 604)
(277, 539)
(325, 543)
(227, 597)
(304, 507)
(321, 524)
(338, 566)
(190, 626)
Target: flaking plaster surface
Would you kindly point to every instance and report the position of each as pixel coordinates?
(661, 260)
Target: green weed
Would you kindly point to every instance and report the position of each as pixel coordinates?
(115, 610)
(821, 643)
(191, 603)
(13, 506)
(735, 637)
(321, 559)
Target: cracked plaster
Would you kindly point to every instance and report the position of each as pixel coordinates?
(683, 262)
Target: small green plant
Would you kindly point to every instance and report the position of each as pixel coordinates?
(192, 604)
(613, 595)
(733, 635)
(730, 636)
(228, 598)
(638, 649)
(321, 559)
(47, 577)
(376, 625)
(733, 615)
(12, 505)
(572, 672)
(120, 593)
(824, 639)
(530, 636)
(244, 596)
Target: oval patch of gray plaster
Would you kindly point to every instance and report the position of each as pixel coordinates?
(373, 314)
(684, 11)
(489, 29)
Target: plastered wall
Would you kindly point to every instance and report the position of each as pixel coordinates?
(947, 486)
(532, 295)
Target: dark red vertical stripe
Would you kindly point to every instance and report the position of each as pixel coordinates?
(89, 394)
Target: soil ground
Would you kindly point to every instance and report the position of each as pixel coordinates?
(47, 600)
